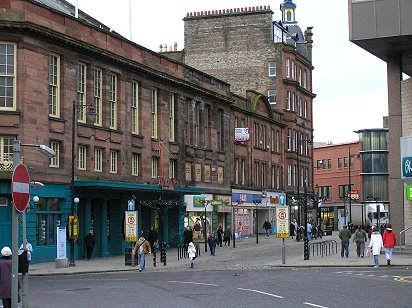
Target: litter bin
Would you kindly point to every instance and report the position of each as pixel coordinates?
(128, 256)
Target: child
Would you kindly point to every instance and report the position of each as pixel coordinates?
(191, 250)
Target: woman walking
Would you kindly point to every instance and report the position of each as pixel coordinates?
(376, 245)
(389, 241)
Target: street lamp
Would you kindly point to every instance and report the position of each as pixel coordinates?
(45, 150)
(72, 235)
(257, 202)
(205, 204)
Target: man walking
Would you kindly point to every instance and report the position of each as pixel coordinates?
(212, 241)
(267, 226)
(89, 241)
(360, 237)
(142, 247)
(389, 242)
(345, 236)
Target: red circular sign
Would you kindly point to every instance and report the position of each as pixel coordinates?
(282, 215)
(20, 187)
(130, 220)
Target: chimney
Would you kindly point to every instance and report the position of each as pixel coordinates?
(175, 46)
(165, 47)
(309, 40)
(161, 48)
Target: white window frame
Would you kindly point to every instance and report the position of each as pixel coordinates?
(272, 97)
(6, 153)
(113, 101)
(7, 75)
(172, 168)
(155, 168)
(97, 95)
(172, 117)
(114, 156)
(54, 162)
(287, 67)
(98, 160)
(81, 91)
(272, 69)
(135, 164)
(82, 157)
(135, 108)
(54, 85)
(154, 114)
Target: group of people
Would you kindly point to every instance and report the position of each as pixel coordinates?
(377, 242)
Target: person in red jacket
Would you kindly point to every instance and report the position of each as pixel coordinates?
(389, 242)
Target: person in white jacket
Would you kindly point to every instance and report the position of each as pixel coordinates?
(191, 250)
(376, 245)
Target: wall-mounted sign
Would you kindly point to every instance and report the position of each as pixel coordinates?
(242, 134)
(198, 201)
(408, 191)
(407, 166)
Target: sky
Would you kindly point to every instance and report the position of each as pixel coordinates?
(350, 84)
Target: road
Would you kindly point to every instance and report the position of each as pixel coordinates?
(278, 287)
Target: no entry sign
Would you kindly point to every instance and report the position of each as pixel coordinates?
(20, 187)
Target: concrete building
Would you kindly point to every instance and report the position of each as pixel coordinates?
(383, 28)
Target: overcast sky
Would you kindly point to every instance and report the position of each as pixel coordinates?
(350, 83)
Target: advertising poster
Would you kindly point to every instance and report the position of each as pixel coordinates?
(61, 243)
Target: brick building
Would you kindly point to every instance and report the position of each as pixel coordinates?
(246, 48)
(146, 127)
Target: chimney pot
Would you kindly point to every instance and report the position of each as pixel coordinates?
(161, 48)
(175, 46)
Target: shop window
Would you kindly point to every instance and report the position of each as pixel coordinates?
(48, 218)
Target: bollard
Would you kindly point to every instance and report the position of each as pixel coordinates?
(154, 254)
(163, 253)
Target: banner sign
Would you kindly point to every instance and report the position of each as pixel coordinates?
(246, 198)
(242, 134)
(130, 225)
(282, 221)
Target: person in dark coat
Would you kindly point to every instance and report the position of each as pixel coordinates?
(267, 226)
(152, 238)
(220, 235)
(292, 230)
(5, 276)
(227, 235)
(187, 236)
(89, 241)
(212, 241)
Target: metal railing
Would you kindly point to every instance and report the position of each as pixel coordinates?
(323, 248)
(182, 251)
(400, 236)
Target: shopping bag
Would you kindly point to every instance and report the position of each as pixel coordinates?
(368, 251)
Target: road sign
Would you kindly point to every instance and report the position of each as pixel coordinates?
(130, 205)
(20, 187)
(282, 221)
(130, 226)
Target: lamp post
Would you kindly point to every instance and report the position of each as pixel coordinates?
(350, 192)
(72, 237)
(45, 150)
(257, 202)
(305, 222)
(205, 204)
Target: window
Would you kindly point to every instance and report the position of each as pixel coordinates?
(343, 190)
(196, 117)
(97, 95)
(187, 123)
(172, 117)
(82, 157)
(135, 107)
(220, 130)
(255, 134)
(155, 167)
(135, 164)
(288, 68)
(263, 175)
(273, 177)
(290, 140)
(351, 161)
(81, 91)
(329, 163)
(305, 79)
(98, 159)
(293, 69)
(113, 161)
(242, 171)
(7, 76)
(272, 97)
(277, 144)
(289, 175)
(206, 126)
(256, 174)
(54, 162)
(289, 101)
(272, 69)
(325, 192)
(300, 111)
(293, 101)
(237, 170)
(113, 101)
(220, 175)
(278, 177)
(319, 164)
(345, 162)
(154, 113)
(172, 169)
(305, 109)
(48, 218)
(54, 85)
(300, 76)
(339, 162)
(263, 141)
(6, 153)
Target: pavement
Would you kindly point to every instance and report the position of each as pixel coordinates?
(247, 255)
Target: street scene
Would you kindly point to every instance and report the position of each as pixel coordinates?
(205, 153)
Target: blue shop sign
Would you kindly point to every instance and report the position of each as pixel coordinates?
(407, 166)
(246, 198)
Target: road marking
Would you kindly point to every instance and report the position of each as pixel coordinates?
(384, 276)
(314, 305)
(269, 294)
(190, 282)
(407, 279)
(371, 275)
(359, 274)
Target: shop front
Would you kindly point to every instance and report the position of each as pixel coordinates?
(246, 207)
(199, 212)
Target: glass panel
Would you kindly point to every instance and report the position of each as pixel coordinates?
(41, 205)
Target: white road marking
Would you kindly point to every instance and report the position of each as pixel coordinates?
(191, 282)
(371, 275)
(314, 305)
(264, 293)
(360, 274)
(384, 276)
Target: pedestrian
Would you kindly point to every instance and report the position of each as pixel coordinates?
(212, 241)
(187, 236)
(29, 249)
(152, 238)
(239, 232)
(360, 238)
(309, 230)
(376, 244)
(227, 235)
(5, 276)
(89, 241)
(389, 242)
(268, 227)
(142, 247)
(219, 235)
(292, 230)
(191, 251)
(345, 236)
